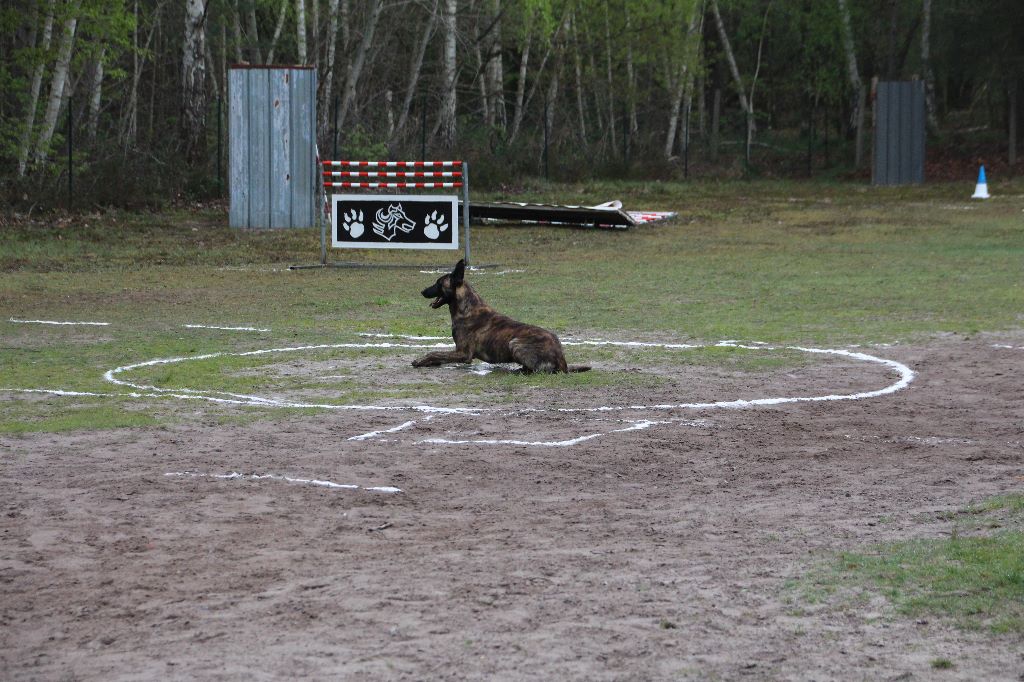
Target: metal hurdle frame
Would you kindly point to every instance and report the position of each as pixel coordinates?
(450, 178)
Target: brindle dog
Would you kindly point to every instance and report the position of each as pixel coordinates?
(481, 332)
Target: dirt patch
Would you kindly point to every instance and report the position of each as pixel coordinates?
(645, 554)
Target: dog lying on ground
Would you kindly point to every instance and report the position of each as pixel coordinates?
(483, 333)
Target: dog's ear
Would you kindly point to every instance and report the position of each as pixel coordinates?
(458, 273)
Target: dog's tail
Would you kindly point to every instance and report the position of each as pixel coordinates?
(578, 368)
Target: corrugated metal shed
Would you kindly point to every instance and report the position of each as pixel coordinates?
(899, 133)
(271, 159)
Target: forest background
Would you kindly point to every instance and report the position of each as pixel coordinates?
(129, 96)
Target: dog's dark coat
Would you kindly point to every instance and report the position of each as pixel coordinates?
(481, 332)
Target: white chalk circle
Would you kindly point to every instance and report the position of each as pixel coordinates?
(119, 377)
(906, 375)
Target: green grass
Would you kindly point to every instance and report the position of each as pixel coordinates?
(93, 417)
(782, 262)
(976, 581)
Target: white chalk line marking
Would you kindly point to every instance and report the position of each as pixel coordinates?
(636, 426)
(400, 427)
(55, 322)
(228, 329)
(1007, 347)
(475, 271)
(289, 479)
(243, 399)
(906, 376)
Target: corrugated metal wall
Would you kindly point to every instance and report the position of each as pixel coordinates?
(899, 133)
(271, 164)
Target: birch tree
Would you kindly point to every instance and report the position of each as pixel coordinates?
(415, 69)
(448, 75)
(59, 82)
(681, 71)
(193, 77)
(37, 83)
(300, 28)
(327, 84)
(278, 27)
(359, 62)
(746, 102)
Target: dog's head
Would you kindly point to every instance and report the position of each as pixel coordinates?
(443, 290)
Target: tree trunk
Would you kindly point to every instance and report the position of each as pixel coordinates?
(193, 77)
(211, 67)
(33, 100)
(60, 76)
(254, 33)
(280, 26)
(630, 74)
(496, 70)
(300, 29)
(860, 100)
(236, 26)
(130, 125)
(415, 67)
(550, 105)
(610, 82)
(481, 75)
(745, 104)
(682, 78)
(578, 64)
(1011, 96)
(448, 75)
(95, 96)
(716, 117)
(730, 58)
(314, 28)
(675, 106)
(926, 65)
(327, 85)
(524, 60)
(349, 98)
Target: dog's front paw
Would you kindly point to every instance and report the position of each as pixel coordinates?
(418, 362)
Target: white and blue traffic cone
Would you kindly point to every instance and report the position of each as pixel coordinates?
(981, 190)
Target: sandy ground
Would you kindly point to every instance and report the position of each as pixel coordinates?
(662, 553)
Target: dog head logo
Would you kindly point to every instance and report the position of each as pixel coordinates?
(388, 223)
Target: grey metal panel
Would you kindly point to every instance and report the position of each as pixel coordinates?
(899, 133)
(305, 174)
(279, 141)
(259, 148)
(892, 171)
(238, 149)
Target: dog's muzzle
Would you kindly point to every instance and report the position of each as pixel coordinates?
(432, 292)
